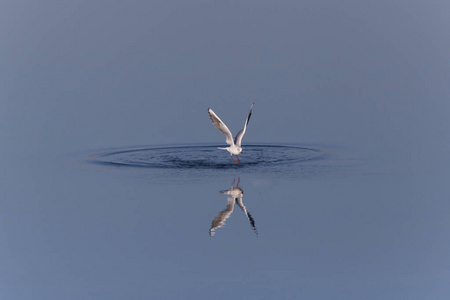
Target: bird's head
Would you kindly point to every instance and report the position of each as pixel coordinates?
(239, 150)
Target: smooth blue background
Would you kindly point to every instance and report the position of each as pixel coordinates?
(368, 80)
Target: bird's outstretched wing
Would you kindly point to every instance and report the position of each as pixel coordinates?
(240, 134)
(221, 126)
(220, 219)
(249, 216)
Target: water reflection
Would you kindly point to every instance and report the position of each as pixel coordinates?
(236, 194)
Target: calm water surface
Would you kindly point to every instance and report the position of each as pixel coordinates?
(184, 222)
(342, 191)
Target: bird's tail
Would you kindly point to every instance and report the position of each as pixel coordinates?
(222, 148)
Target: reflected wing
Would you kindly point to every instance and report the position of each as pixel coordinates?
(240, 134)
(221, 126)
(247, 214)
(220, 219)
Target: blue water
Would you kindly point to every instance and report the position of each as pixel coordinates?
(139, 223)
(208, 157)
(342, 189)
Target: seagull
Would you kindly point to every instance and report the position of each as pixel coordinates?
(235, 145)
(236, 194)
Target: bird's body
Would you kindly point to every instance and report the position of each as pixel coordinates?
(233, 149)
(235, 144)
(235, 192)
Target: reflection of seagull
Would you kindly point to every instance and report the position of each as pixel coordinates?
(235, 145)
(236, 194)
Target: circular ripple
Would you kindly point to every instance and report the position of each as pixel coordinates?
(209, 157)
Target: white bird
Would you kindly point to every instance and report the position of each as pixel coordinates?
(235, 145)
(236, 194)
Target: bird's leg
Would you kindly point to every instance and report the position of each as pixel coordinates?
(232, 158)
(238, 159)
